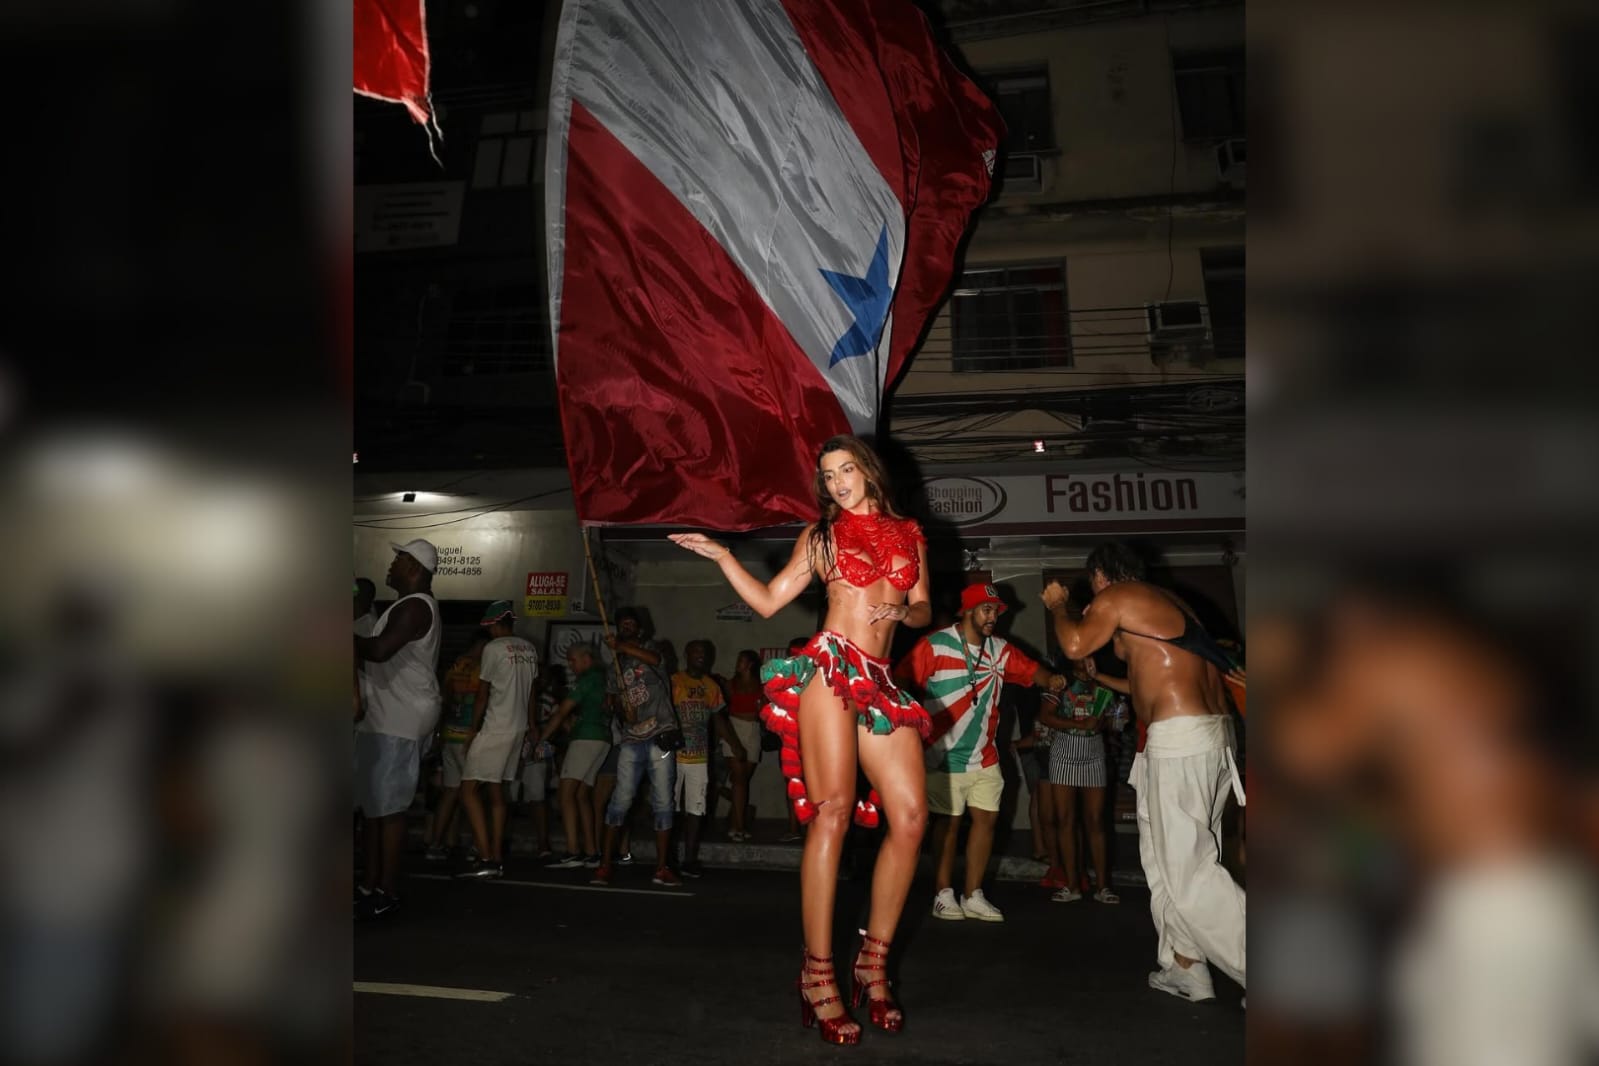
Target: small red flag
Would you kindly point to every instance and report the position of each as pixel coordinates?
(391, 56)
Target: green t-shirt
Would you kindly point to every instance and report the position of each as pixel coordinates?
(590, 717)
(1094, 700)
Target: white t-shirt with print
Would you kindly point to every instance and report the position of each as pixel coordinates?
(510, 664)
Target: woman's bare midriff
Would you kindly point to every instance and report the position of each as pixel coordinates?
(849, 610)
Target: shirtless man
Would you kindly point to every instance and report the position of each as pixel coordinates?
(1174, 675)
(1420, 717)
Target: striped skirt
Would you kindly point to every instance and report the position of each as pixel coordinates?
(1077, 761)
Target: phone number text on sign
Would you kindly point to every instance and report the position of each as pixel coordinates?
(544, 606)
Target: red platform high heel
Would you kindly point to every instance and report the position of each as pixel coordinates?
(885, 1013)
(840, 1030)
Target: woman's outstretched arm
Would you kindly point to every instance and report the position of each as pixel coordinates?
(766, 599)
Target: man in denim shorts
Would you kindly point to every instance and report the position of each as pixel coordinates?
(647, 713)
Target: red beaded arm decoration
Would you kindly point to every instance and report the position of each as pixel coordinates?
(865, 547)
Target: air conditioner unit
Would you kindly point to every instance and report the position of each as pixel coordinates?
(1187, 352)
(1230, 160)
(1178, 333)
(1173, 319)
(1024, 172)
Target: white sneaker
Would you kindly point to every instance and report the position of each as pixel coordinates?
(1065, 895)
(976, 906)
(1192, 984)
(944, 906)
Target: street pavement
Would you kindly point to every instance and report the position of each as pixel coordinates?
(559, 971)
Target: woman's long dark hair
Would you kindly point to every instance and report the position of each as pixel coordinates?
(877, 489)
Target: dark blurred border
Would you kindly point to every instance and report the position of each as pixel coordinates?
(175, 363)
(1423, 258)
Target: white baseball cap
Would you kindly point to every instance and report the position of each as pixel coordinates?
(422, 551)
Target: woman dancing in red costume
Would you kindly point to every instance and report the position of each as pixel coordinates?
(836, 696)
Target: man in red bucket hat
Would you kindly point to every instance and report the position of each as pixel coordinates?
(961, 670)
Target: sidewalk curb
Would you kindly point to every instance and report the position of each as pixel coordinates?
(754, 855)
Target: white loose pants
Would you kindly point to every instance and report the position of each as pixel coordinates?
(1502, 965)
(1182, 778)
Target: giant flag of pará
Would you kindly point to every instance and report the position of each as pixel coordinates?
(753, 207)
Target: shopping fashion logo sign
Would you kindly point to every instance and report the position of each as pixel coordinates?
(963, 501)
(1100, 501)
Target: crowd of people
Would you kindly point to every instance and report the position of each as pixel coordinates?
(622, 712)
(510, 729)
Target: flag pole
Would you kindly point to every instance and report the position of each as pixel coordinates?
(599, 602)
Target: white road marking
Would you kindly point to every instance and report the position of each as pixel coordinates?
(660, 892)
(476, 995)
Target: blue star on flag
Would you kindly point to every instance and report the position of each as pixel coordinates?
(868, 299)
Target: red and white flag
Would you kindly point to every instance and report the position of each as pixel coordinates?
(391, 55)
(754, 206)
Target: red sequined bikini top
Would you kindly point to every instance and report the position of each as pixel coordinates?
(865, 546)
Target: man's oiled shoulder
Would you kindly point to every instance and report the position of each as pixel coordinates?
(1132, 592)
(1139, 604)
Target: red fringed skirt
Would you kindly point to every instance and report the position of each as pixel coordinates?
(861, 681)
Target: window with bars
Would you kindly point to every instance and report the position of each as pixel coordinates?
(497, 330)
(1022, 97)
(1224, 292)
(1010, 318)
(1210, 94)
(505, 151)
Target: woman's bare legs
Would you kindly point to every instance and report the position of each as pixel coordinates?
(741, 771)
(1049, 821)
(893, 765)
(570, 799)
(586, 818)
(1040, 848)
(1066, 821)
(539, 811)
(442, 832)
(1094, 830)
(827, 739)
(600, 798)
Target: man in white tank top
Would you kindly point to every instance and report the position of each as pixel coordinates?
(400, 687)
